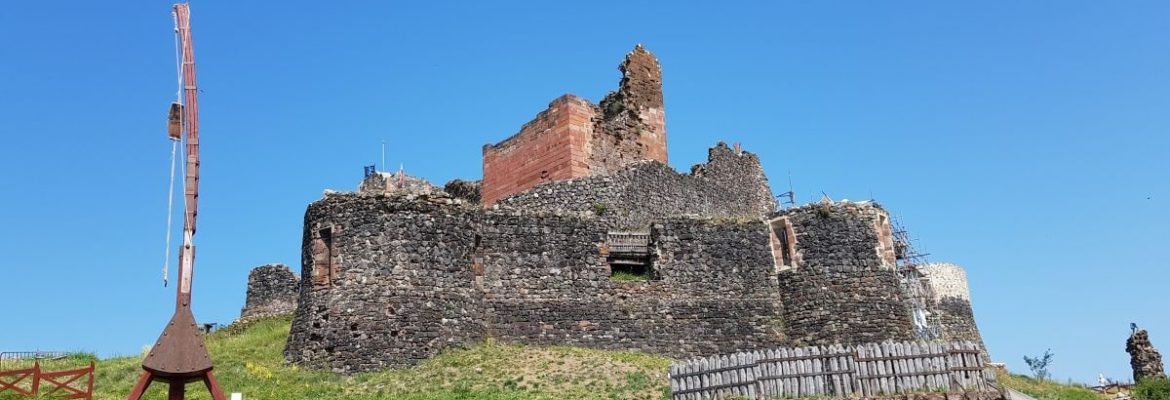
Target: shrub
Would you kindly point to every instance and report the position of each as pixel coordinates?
(1039, 365)
(1152, 389)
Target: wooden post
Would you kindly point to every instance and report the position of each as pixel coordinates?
(89, 386)
(36, 381)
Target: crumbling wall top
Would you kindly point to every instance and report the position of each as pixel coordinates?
(272, 290)
(1144, 358)
(641, 85)
(394, 182)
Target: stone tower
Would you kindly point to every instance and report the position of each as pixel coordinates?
(574, 138)
(272, 290)
(634, 120)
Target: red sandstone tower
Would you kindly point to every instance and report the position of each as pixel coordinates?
(575, 138)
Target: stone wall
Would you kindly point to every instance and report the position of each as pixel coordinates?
(469, 191)
(731, 184)
(390, 280)
(399, 285)
(272, 291)
(408, 277)
(841, 287)
(559, 291)
(575, 138)
(949, 304)
(392, 182)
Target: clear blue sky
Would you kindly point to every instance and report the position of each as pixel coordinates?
(1026, 141)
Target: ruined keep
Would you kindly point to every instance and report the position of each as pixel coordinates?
(574, 138)
(579, 234)
(272, 291)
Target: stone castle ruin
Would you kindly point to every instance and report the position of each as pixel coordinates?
(580, 234)
(272, 291)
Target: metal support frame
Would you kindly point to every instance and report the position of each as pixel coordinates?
(179, 356)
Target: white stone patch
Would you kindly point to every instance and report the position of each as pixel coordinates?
(946, 280)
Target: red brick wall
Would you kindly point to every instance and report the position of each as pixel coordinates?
(654, 141)
(574, 138)
(549, 148)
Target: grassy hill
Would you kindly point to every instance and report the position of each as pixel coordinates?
(1048, 390)
(248, 359)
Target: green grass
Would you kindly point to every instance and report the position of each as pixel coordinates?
(1047, 390)
(623, 276)
(1152, 389)
(249, 360)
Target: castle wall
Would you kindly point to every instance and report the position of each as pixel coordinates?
(390, 280)
(384, 283)
(575, 138)
(633, 123)
(558, 291)
(407, 277)
(950, 302)
(842, 288)
(272, 290)
(549, 148)
(731, 184)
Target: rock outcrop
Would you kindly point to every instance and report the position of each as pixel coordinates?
(1145, 360)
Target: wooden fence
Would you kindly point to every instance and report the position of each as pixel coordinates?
(32, 382)
(838, 371)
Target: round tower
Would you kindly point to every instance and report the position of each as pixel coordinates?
(949, 304)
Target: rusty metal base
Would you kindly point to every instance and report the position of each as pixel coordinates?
(177, 385)
(179, 350)
(178, 358)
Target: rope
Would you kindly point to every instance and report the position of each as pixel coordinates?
(170, 210)
(178, 62)
(174, 153)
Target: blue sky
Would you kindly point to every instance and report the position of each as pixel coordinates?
(1026, 141)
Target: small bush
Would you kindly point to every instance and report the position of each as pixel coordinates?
(1152, 389)
(1039, 365)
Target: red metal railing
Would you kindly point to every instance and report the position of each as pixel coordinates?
(68, 384)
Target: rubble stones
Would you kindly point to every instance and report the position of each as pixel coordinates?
(466, 190)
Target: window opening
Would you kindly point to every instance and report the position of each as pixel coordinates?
(323, 265)
(629, 256)
(783, 246)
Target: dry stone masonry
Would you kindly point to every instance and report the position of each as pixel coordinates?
(580, 234)
(272, 291)
(1143, 357)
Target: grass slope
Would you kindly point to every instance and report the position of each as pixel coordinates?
(1048, 390)
(248, 360)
